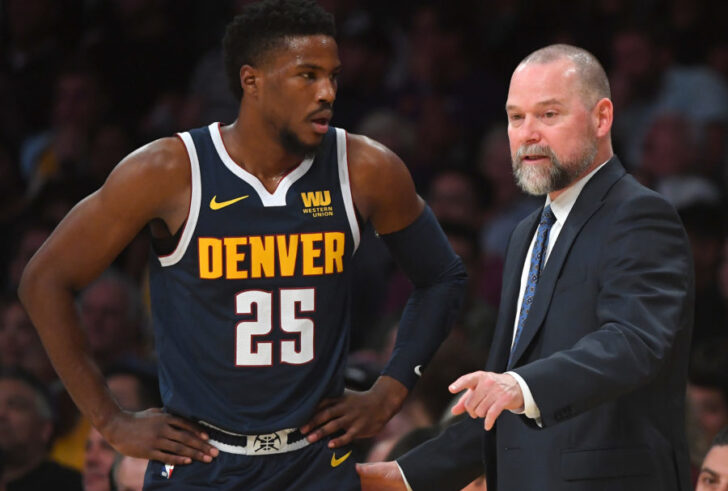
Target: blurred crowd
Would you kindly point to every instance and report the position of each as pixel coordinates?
(85, 82)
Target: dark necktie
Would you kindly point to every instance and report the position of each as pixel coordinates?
(534, 271)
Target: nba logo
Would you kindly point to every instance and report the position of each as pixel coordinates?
(167, 472)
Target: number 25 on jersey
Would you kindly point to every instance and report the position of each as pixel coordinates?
(249, 353)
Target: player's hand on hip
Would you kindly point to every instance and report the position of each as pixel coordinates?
(358, 414)
(380, 476)
(487, 395)
(154, 434)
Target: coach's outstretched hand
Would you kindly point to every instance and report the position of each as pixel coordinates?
(358, 414)
(487, 395)
(380, 476)
(154, 434)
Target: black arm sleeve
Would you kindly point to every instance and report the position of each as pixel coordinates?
(423, 252)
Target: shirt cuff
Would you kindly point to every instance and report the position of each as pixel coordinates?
(530, 409)
(404, 478)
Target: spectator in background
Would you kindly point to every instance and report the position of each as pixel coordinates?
(97, 464)
(391, 130)
(29, 236)
(714, 471)
(476, 322)
(144, 44)
(26, 428)
(127, 473)
(668, 151)
(20, 346)
(365, 49)
(648, 84)
(704, 223)
(12, 193)
(61, 151)
(109, 143)
(135, 387)
(707, 393)
(458, 196)
(112, 313)
(31, 55)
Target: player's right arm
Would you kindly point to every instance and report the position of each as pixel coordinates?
(151, 184)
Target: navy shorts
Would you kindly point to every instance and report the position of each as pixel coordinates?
(314, 467)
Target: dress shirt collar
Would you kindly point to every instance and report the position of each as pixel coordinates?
(563, 204)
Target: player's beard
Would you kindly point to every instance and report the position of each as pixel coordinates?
(293, 145)
(539, 179)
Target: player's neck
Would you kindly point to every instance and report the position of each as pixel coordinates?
(257, 150)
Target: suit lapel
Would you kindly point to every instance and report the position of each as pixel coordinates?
(589, 201)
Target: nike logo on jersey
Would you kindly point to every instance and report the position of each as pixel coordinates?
(214, 205)
(418, 370)
(337, 462)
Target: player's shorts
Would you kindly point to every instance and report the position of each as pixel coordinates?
(314, 467)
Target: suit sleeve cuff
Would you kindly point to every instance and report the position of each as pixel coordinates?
(404, 478)
(530, 409)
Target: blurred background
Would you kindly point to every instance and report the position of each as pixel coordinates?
(84, 82)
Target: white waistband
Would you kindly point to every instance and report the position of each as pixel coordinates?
(264, 444)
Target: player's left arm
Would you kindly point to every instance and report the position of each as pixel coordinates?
(384, 193)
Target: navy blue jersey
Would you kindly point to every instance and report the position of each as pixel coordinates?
(251, 310)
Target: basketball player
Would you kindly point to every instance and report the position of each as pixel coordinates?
(254, 227)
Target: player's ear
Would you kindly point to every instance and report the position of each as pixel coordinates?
(249, 80)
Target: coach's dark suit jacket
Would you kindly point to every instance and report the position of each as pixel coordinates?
(604, 351)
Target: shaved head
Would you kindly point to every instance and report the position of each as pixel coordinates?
(591, 75)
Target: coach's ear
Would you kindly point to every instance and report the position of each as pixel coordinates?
(603, 117)
(249, 80)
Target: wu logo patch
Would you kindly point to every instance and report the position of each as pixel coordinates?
(316, 198)
(267, 443)
(317, 203)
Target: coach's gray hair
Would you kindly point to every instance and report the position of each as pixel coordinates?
(593, 78)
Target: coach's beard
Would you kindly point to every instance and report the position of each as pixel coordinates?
(538, 180)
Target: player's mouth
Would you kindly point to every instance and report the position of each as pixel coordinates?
(320, 125)
(320, 121)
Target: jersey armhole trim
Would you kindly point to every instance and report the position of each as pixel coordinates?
(195, 199)
(343, 162)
